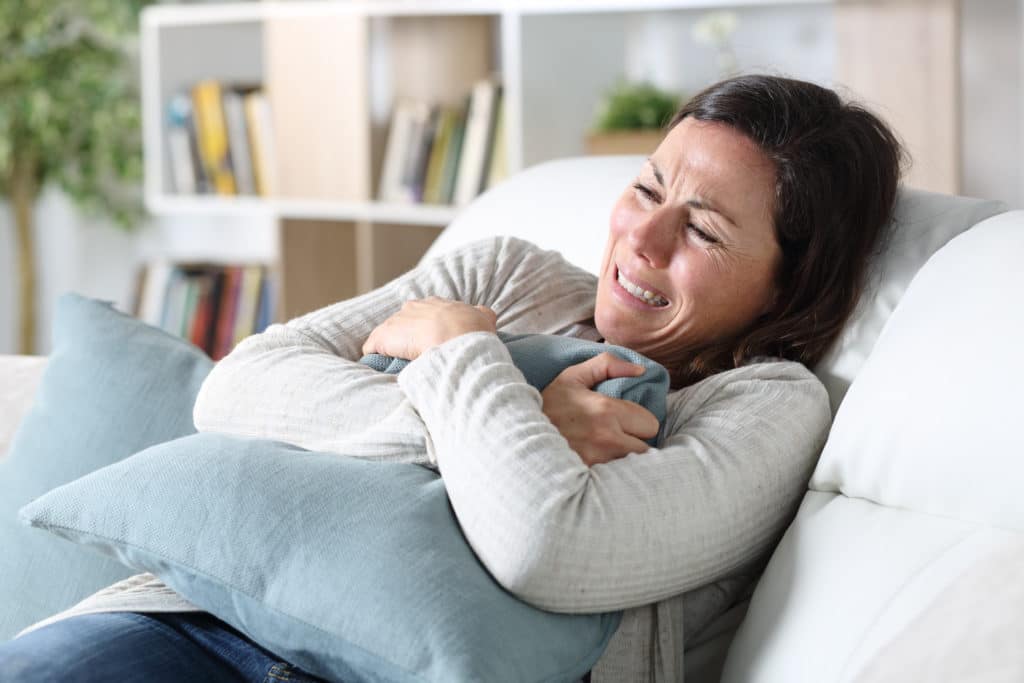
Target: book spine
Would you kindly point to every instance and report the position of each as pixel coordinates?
(213, 135)
(427, 136)
(498, 167)
(420, 115)
(188, 316)
(245, 318)
(265, 310)
(154, 293)
(228, 310)
(201, 319)
(261, 140)
(475, 144)
(394, 151)
(238, 140)
(451, 168)
(179, 147)
(438, 152)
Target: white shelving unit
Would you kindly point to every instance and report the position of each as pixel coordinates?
(556, 58)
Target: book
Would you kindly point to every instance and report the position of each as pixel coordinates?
(212, 133)
(233, 103)
(171, 318)
(225, 335)
(412, 155)
(265, 309)
(449, 172)
(209, 281)
(498, 168)
(152, 298)
(248, 301)
(389, 187)
(438, 153)
(185, 167)
(427, 136)
(476, 144)
(262, 143)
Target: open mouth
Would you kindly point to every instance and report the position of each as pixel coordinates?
(640, 293)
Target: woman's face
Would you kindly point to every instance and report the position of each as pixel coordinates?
(695, 231)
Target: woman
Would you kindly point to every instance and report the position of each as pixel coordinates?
(733, 259)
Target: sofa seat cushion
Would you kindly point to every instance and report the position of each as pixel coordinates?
(920, 475)
(985, 603)
(848, 576)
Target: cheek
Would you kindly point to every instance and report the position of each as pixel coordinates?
(622, 217)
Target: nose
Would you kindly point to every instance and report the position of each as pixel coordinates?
(653, 236)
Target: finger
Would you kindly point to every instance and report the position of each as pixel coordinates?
(488, 310)
(636, 420)
(599, 368)
(624, 445)
(634, 445)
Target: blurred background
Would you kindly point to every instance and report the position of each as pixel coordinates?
(216, 167)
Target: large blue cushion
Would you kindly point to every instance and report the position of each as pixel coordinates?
(353, 570)
(111, 387)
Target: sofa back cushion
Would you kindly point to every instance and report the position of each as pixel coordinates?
(21, 377)
(565, 205)
(920, 475)
(111, 386)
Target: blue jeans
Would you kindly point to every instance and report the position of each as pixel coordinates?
(155, 648)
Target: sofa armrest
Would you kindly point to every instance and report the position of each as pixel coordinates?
(20, 378)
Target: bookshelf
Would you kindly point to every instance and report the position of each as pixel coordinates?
(333, 71)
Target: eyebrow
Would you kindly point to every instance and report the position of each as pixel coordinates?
(696, 203)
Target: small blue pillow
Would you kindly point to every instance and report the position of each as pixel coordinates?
(541, 357)
(353, 570)
(112, 386)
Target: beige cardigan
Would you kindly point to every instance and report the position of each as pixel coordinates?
(673, 536)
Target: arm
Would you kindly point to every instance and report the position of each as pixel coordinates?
(300, 382)
(572, 538)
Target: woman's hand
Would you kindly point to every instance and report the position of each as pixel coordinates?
(599, 428)
(425, 323)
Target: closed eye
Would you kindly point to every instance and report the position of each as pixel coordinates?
(652, 196)
(701, 234)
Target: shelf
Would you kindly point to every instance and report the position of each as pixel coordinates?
(188, 15)
(312, 209)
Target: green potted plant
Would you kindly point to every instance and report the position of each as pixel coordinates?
(69, 115)
(631, 119)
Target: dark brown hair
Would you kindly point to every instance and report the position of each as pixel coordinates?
(837, 167)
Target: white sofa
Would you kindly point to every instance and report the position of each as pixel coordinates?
(900, 563)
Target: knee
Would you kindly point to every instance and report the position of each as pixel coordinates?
(22, 660)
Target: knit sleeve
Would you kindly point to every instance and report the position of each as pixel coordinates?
(300, 381)
(715, 496)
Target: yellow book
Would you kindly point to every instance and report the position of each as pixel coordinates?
(212, 132)
(435, 166)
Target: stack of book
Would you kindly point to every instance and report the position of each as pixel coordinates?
(445, 155)
(221, 141)
(214, 306)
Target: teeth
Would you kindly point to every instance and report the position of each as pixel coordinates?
(645, 295)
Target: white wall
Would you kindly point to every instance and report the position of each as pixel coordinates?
(992, 95)
(796, 41)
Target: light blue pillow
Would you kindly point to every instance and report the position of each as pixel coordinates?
(112, 386)
(541, 357)
(353, 570)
